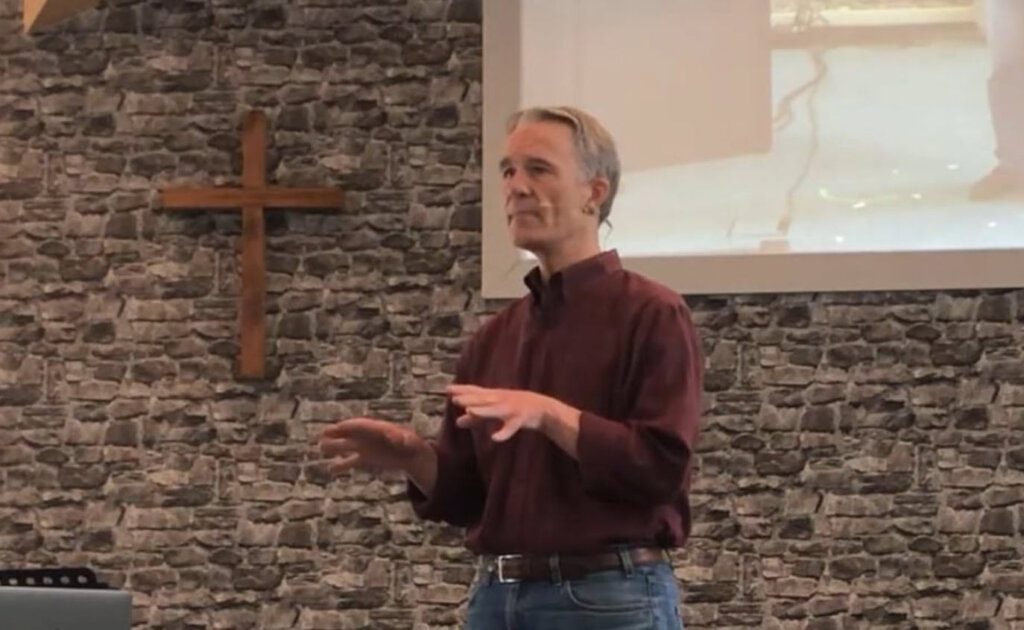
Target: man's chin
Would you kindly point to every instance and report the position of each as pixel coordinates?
(528, 242)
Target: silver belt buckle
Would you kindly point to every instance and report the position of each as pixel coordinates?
(500, 568)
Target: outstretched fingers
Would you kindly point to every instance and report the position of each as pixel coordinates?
(352, 428)
(337, 447)
(340, 465)
(507, 430)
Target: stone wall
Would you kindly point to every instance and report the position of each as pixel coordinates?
(862, 463)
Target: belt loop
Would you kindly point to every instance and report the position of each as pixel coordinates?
(489, 569)
(625, 560)
(556, 568)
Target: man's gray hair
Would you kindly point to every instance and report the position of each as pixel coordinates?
(595, 147)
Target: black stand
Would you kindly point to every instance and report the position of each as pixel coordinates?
(56, 578)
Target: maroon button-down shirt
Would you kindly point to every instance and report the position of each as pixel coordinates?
(623, 350)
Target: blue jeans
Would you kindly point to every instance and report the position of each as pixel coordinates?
(643, 598)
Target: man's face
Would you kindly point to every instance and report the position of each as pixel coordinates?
(546, 196)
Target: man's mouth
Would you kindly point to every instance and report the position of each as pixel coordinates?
(520, 215)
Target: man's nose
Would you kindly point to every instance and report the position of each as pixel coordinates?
(516, 184)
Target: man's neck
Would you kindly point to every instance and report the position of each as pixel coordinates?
(552, 263)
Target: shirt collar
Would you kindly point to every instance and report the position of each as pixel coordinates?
(569, 280)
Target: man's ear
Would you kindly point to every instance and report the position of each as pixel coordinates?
(599, 190)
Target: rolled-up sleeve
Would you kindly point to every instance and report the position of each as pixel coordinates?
(459, 494)
(644, 457)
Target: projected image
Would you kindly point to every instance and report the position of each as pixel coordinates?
(796, 126)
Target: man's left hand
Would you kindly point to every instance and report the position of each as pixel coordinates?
(515, 409)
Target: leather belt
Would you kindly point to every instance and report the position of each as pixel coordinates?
(526, 568)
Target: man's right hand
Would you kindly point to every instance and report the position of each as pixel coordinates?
(380, 445)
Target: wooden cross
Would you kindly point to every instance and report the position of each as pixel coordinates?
(253, 198)
(37, 14)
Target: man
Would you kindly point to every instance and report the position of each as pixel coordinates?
(1005, 32)
(569, 434)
